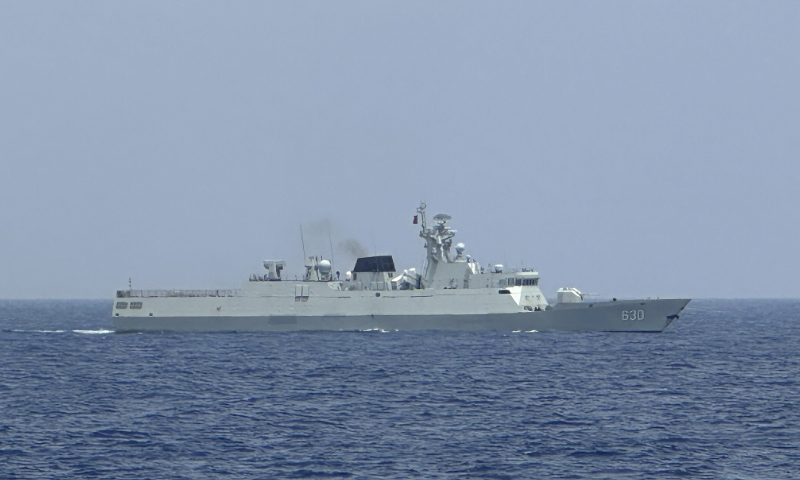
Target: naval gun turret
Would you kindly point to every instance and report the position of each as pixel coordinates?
(569, 295)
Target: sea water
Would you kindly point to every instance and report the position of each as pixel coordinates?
(714, 396)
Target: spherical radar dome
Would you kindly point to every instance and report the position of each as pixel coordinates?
(324, 266)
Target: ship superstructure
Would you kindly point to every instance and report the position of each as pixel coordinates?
(453, 292)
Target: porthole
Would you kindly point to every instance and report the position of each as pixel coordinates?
(377, 294)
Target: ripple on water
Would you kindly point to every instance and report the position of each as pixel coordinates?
(712, 397)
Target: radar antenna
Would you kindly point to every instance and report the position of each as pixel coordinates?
(442, 218)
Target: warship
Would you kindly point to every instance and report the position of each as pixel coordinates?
(453, 292)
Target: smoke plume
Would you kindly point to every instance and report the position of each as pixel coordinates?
(353, 247)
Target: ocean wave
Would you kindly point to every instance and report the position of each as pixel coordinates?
(37, 331)
(408, 405)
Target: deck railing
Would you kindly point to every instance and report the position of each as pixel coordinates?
(176, 293)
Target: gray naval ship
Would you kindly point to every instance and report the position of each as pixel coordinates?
(453, 292)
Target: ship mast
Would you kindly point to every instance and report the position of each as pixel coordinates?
(438, 241)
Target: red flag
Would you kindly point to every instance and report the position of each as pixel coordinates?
(415, 219)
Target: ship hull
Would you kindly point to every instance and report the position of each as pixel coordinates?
(615, 316)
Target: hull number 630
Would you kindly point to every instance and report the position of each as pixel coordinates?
(633, 314)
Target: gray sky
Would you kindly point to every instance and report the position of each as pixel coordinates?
(625, 148)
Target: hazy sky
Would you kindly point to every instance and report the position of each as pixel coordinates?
(625, 148)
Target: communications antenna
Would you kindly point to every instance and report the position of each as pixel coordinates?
(330, 242)
(303, 242)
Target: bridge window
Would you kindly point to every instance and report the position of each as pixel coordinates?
(136, 305)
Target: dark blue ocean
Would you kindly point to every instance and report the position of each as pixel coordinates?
(717, 395)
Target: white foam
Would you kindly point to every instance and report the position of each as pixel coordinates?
(515, 331)
(95, 332)
(531, 331)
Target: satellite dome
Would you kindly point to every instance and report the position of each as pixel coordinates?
(324, 266)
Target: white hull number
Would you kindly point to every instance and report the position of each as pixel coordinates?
(633, 315)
